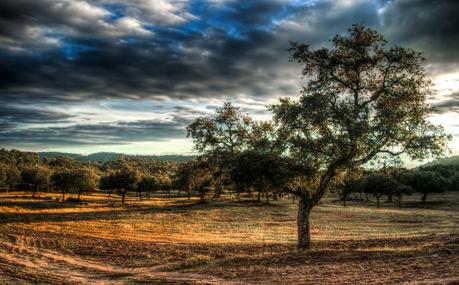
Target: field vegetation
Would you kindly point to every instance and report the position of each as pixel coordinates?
(173, 240)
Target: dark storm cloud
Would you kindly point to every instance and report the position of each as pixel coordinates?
(450, 104)
(27, 115)
(227, 51)
(228, 55)
(61, 52)
(429, 26)
(95, 134)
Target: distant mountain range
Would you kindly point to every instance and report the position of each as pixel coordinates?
(110, 156)
(452, 160)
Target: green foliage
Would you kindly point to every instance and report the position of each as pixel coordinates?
(18, 158)
(64, 162)
(347, 182)
(154, 183)
(200, 178)
(225, 132)
(78, 181)
(362, 99)
(425, 182)
(454, 182)
(36, 176)
(9, 176)
(124, 180)
(378, 185)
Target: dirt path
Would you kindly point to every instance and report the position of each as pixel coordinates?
(23, 259)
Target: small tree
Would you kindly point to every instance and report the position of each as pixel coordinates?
(37, 177)
(400, 190)
(378, 185)
(347, 182)
(126, 180)
(74, 181)
(61, 180)
(154, 183)
(107, 183)
(220, 137)
(9, 176)
(454, 182)
(200, 179)
(426, 182)
(84, 180)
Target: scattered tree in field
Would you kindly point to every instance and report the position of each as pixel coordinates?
(126, 180)
(74, 181)
(224, 133)
(401, 190)
(181, 176)
(454, 182)
(347, 182)
(265, 173)
(220, 138)
(37, 177)
(153, 183)
(148, 184)
(83, 181)
(378, 185)
(200, 179)
(362, 99)
(9, 176)
(426, 182)
(61, 181)
(107, 183)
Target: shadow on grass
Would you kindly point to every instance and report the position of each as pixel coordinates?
(322, 253)
(121, 211)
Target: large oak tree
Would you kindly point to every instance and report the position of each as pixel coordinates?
(362, 98)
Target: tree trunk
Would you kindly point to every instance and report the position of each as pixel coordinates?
(400, 201)
(377, 201)
(63, 197)
(140, 196)
(34, 191)
(259, 194)
(389, 197)
(304, 236)
(344, 200)
(424, 197)
(123, 195)
(79, 194)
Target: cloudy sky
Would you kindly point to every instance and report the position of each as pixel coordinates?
(128, 76)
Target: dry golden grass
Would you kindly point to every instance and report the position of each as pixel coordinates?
(177, 241)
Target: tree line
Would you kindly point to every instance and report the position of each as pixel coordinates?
(394, 183)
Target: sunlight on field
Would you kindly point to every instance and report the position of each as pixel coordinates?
(164, 234)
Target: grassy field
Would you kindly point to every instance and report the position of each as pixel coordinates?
(175, 241)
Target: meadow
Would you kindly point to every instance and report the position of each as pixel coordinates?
(173, 240)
